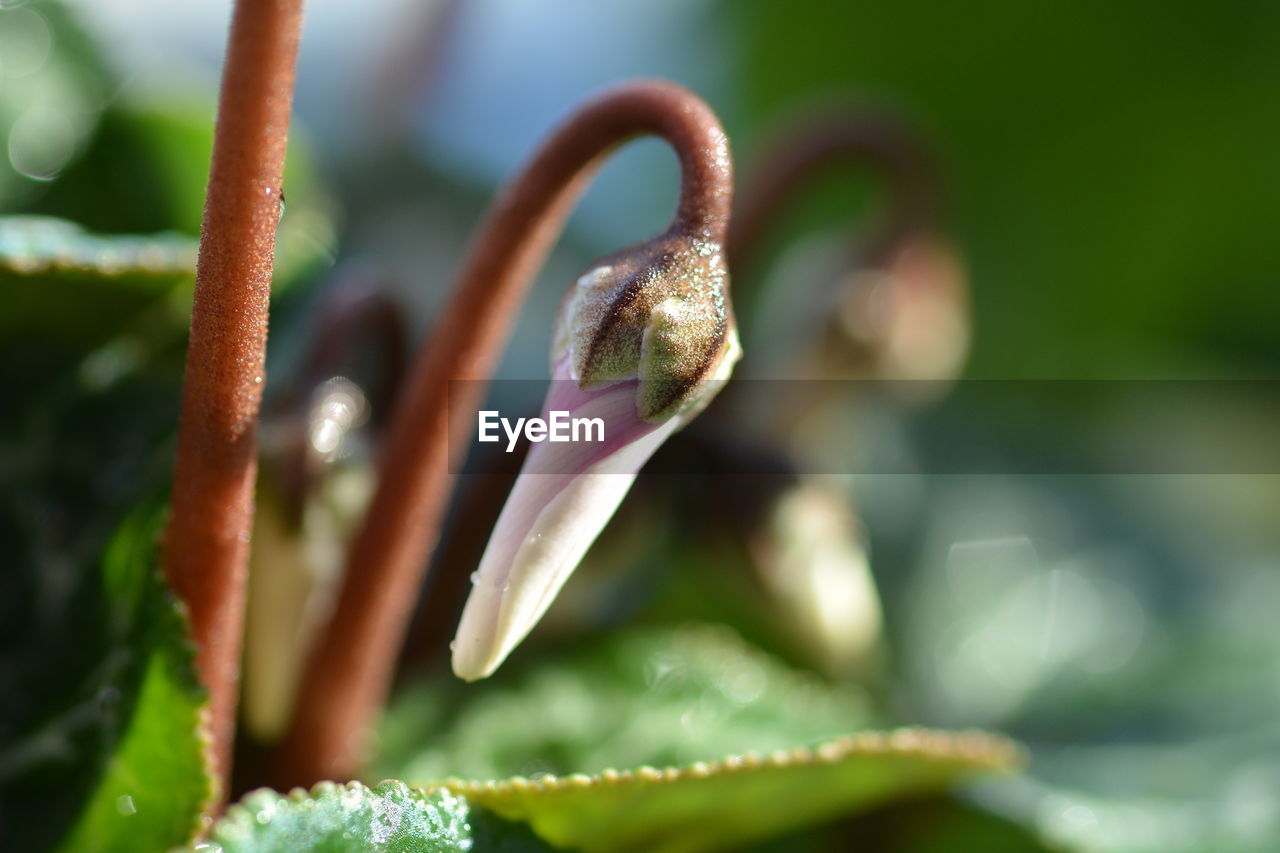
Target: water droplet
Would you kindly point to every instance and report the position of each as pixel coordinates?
(326, 437)
(125, 805)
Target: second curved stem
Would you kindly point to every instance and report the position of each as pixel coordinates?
(350, 669)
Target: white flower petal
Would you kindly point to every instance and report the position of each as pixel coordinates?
(564, 496)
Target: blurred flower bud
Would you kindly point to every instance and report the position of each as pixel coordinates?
(907, 318)
(814, 562)
(315, 478)
(313, 487)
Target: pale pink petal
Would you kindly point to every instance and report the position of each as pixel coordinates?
(564, 496)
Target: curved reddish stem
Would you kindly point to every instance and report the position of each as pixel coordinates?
(207, 544)
(350, 669)
(811, 148)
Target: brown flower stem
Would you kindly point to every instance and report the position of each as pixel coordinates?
(207, 544)
(350, 669)
(873, 137)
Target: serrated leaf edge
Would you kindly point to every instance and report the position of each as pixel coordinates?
(203, 818)
(978, 749)
(166, 253)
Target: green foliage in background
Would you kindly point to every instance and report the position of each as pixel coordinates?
(1112, 164)
(658, 697)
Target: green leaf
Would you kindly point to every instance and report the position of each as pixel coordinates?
(33, 245)
(674, 698)
(742, 798)
(103, 749)
(156, 782)
(354, 818)
(57, 280)
(655, 696)
(146, 170)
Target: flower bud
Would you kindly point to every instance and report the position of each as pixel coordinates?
(658, 313)
(644, 340)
